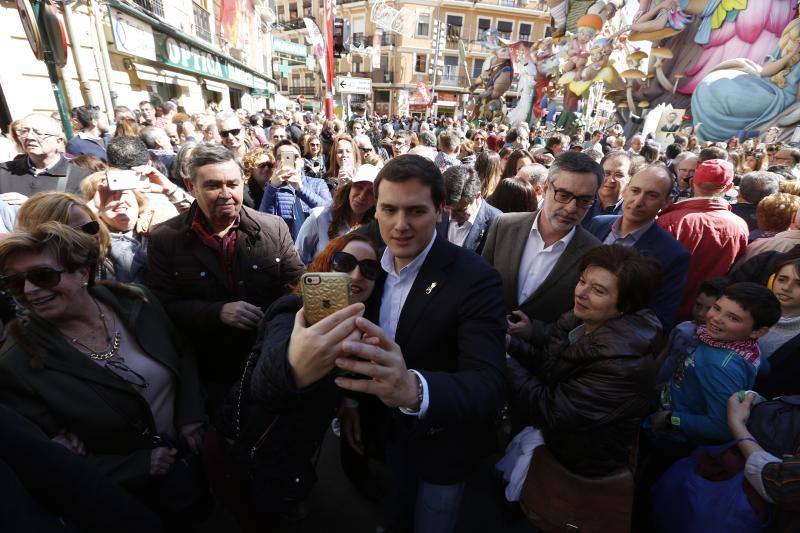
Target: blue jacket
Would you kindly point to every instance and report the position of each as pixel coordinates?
(281, 201)
(698, 394)
(672, 256)
(78, 145)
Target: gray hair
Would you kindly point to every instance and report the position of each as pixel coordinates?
(222, 116)
(461, 183)
(536, 173)
(150, 135)
(210, 154)
(169, 106)
(759, 184)
(180, 167)
(683, 156)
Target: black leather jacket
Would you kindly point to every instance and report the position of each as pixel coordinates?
(588, 395)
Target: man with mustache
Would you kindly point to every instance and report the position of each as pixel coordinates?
(645, 195)
(218, 266)
(538, 254)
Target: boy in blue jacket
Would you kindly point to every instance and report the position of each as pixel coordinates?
(725, 360)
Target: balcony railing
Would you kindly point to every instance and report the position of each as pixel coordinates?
(504, 34)
(386, 40)
(294, 24)
(453, 81)
(508, 3)
(524, 36)
(153, 6)
(306, 90)
(202, 27)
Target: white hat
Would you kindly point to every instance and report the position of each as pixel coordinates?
(366, 173)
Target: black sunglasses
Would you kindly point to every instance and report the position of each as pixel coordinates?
(42, 277)
(234, 132)
(344, 262)
(366, 149)
(90, 228)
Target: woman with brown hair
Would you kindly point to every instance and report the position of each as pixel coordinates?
(353, 206)
(258, 164)
(488, 167)
(516, 160)
(345, 158)
(514, 195)
(127, 127)
(101, 362)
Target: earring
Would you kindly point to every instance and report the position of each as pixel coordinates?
(85, 283)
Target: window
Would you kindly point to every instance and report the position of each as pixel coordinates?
(524, 32)
(382, 97)
(505, 29)
(477, 67)
(450, 71)
(384, 62)
(358, 63)
(421, 63)
(357, 29)
(483, 25)
(424, 25)
(454, 23)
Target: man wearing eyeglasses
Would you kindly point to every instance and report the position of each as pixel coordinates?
(401, 143)
(232, 133)
(617, 172)
(538, 254)
(44, 168)
(789, 158)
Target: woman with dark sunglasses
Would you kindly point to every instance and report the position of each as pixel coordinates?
(288, 387)
(100, 362)
(315, 162)
(70, 210)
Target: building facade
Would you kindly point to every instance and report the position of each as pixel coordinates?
(397, 62)
(193, 51)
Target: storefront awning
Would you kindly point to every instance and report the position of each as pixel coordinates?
(160, 75)
(215, 86)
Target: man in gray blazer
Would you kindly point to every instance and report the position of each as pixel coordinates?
(538, 254)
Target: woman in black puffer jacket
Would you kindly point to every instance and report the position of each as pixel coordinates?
(587, 388)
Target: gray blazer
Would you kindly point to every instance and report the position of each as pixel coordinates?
(504, 247)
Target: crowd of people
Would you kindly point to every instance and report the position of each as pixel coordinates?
(587, 310)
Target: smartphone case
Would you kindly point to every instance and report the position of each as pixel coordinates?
(331, 294)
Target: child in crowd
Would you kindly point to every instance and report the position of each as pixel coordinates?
(683, 339)
(725, 360)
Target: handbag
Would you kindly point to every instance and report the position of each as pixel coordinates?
(555, 499)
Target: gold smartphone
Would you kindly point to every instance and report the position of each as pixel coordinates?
(323, 294)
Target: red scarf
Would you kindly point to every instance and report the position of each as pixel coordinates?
(747, 348)
(223, 247)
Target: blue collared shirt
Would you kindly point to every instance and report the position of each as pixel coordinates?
(615, 236)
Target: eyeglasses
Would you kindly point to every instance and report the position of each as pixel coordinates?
(615, 176)
(366, 149)
(29, 132)
(313, 144)
(235, 132)
(90, 228)
(344, 262)
(563, 196)
(265, 164)
(42, 277)
(398, 143)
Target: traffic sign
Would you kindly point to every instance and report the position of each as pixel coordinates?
(301, 99)
(354, 85)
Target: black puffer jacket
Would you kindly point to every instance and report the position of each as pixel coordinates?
(588, 396)
(277, 429)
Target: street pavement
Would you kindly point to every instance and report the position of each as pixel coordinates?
(337, 506)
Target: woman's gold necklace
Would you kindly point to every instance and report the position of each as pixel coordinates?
(113, 342)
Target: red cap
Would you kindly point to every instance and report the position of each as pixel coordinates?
(713, 175)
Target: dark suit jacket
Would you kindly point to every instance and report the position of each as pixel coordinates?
(451, 330)
(674, 259)
(476, 238)
(74, 393)
(554, 297)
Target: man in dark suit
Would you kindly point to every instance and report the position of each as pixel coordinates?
(467, 217)
(647, 193)
(436, 355)
(538, 254)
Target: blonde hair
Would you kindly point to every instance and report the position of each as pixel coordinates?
(252, 158)
(790, 34)
(790, 187)
(55, 207)
(776, 212)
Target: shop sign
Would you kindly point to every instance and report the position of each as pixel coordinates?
(174, 53)
(132, 36)
(288, 47)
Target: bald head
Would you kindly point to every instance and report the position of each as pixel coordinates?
(647, 193)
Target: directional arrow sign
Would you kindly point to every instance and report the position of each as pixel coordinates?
(354, 85)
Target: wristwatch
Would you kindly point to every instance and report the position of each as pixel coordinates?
(420, 394)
